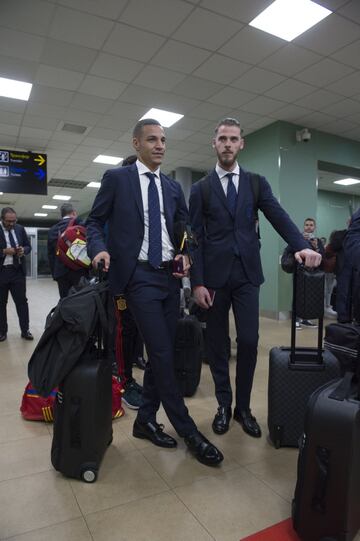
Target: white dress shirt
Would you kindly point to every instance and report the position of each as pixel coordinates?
(9, 259)
(167, 247)
(224, 179)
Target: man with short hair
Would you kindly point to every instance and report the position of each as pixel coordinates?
(63, 275)
(14, 245)
(223, 215)
(142, 207)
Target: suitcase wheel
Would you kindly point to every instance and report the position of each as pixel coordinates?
(277, 444)
(89, 476)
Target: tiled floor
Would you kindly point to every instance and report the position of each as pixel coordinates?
(143, 493)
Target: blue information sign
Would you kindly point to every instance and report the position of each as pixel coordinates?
(23, 172)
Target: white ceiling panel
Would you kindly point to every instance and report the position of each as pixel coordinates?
(318, 99)
(44, 122)
(105, 133)
(324, 72)
(263, 105)
(210, 111)
(290, 90)
(7, 129)
(44, 109)
(347, 86)
(329, 35)
(51, 95)
(126, 110)
(8, 141)
(85, 118)
(180, 56)
(258, 80)
(194, 87)
(34, 16)
(251, 45)
(159, 78)
(290, 113)
(101, 87)
(244, 11)
(58, 77)
(17, 68)
(233, 96)
(7, 117)
(66, 55)
(290, 59)
(79, 28)
(11, 105)
(351, 10)
(343, 108)
(191, 123)
(110, 9)
(20, 45)
(221, 69)
(215, 29)
(95, 104)
(132, 43)
(115, 67)
(338, 126)
(315, 119)
(162, 16)
(349, 55)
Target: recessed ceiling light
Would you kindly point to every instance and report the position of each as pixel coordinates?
(62, 197)
(18, 90)
(111, 160)
(49, 207)
(1, 193)
(93, 184)
(40, 214)
(347, 181)
(288, 19)
(166, 118)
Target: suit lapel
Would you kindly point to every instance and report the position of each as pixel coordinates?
(136, 189)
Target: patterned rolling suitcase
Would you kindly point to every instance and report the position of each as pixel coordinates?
(188, 354)
(294, 374)
(326, 506)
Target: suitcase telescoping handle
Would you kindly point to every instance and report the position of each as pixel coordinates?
(103, 322)
(293, 327)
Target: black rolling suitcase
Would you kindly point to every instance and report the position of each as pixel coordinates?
(295, 373)
(188, 354)
(83, 414)
(326, 506)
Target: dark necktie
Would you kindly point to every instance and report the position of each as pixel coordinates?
(155, 245)
(231, 194)
(13, 245)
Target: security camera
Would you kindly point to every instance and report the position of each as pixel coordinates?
(303, 136)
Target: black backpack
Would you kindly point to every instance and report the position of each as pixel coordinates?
(71, 327)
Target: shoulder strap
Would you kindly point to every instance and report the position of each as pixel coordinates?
(255, 188)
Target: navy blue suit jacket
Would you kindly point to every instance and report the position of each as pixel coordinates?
(352, 241)
(23, 241)
(119, 203)
(214, 257)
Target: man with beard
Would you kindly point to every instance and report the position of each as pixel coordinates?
(223, 215)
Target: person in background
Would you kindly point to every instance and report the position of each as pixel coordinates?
(227, 271)
(14, 246)
(65, 277)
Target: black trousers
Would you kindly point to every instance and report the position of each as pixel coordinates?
(243, 297)
(13, 279)
(71, 278)
(153, 296)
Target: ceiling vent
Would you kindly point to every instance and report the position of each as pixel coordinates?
(65, 183)
(74, 128)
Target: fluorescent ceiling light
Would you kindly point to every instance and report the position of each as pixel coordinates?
(49, 207)
(62, 197)
(1, 193)
(111, 160)
(18, 90)
(93, 184)
(40, 214)
(287, 19)
(166, 118)
(347, 181)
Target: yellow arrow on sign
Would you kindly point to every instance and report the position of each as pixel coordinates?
(40, 159)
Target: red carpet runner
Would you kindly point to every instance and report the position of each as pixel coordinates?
(282, 531)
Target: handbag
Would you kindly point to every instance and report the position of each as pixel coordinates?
(310, 284)
(343, 340)
(35, 407)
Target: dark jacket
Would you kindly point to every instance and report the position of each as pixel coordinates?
(23, 241)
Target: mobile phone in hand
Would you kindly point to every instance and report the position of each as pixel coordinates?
(178, 266)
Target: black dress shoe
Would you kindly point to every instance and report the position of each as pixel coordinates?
(2, 337)
(248, 422)
(222, 420)
(154, 433)
(204, 451)
(27, 335)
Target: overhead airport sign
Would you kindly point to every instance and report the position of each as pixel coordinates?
(23, 172)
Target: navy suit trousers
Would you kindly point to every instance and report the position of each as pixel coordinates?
(12, 279)
(243, 297)
(153, 296)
